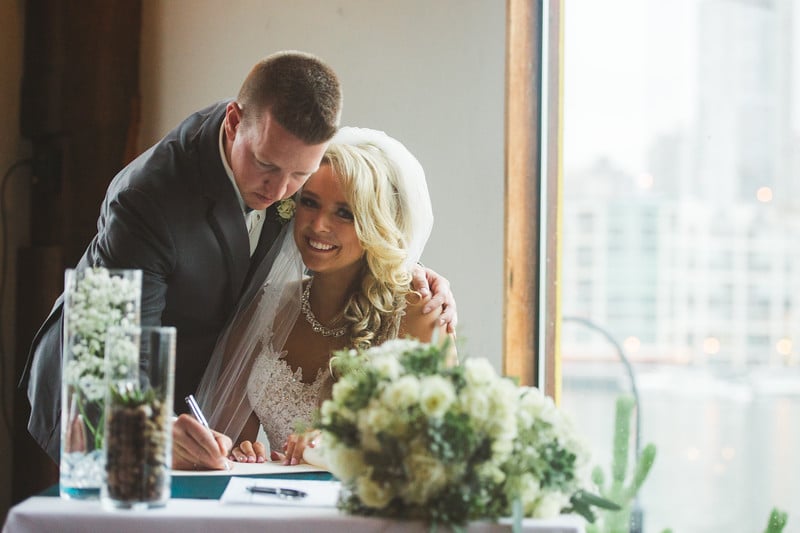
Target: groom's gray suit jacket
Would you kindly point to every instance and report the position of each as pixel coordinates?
(173, 213)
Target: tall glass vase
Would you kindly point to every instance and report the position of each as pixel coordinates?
(140, 366)
(94, 300)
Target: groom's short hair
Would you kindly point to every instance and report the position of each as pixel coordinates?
(300, 91)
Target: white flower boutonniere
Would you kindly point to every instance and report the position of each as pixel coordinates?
(286, 209)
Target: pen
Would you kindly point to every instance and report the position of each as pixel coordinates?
(195, 409)
(280, 493)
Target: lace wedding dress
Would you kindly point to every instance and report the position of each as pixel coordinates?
(279, 396)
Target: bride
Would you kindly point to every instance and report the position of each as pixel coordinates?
(360, 224)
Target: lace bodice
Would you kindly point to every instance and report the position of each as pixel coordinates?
(279, 396)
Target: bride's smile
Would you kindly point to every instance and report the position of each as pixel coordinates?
(325, 230)
(320, 245)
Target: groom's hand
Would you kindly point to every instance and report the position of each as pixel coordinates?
(426, 281)
(195, 447)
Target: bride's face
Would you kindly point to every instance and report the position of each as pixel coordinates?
(324, 229)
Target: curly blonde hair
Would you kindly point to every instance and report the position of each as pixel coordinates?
(369, 181)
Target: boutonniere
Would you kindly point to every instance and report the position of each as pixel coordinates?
(286, 209)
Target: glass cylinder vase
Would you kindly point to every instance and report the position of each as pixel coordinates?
(95, 299)
(140, 365)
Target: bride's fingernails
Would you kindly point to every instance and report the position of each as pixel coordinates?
(294, 461)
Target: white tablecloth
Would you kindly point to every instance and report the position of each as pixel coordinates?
(43, 514)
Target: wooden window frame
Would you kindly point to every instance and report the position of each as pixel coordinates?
(533, 117)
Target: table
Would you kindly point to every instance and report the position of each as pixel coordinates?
(202, 512)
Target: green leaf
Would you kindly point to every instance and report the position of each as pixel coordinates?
(777, 521)
(643, 466)
(596, 500)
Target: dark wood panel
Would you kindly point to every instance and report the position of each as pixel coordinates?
(79, 100)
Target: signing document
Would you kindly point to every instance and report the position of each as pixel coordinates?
(291, 492)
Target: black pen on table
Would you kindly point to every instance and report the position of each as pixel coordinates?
(288, 494)
(200, 417)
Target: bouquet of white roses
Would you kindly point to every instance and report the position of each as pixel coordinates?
(411, 437)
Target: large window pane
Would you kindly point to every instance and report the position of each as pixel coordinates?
(681, 244)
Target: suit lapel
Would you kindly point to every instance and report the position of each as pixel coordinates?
(227, 223)
(224, 212)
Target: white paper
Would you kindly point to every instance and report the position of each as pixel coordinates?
(319, 493)
(249, 469)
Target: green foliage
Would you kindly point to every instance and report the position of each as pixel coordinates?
(777, 521)
(130, 395)
(451, 437)
(622, 489)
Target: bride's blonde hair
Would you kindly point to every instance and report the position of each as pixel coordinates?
(369, 181)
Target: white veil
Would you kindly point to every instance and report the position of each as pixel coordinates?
(265, 323)
(412, 187)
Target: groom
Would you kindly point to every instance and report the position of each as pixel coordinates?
(197, 213)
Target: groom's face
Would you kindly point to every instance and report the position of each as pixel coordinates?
(268, 162)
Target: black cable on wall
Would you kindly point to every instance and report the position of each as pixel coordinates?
(4, 408)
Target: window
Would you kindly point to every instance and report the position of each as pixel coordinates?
(681, 122)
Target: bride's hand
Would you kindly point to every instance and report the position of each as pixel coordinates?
(428, 282)
(295, 445)
(249, 452)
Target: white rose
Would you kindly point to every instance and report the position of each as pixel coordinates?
(326, 411)
(398, 346)
(373, 494)
(427, 478)
(343, 389)
(374, 416)
(402, 393)
(387, 366)
(503, 445)
(344, 463)
(475, 401)
(436, 396)
(477, 371)
(502, 407)
(530, 490)
(531, 400)
(492, 472)
(550, 504)
(371, 420)
(286, 208)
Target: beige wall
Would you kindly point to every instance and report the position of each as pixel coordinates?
(15, 209)
(430, 73)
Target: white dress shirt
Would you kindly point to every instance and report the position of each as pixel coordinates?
(254, 220)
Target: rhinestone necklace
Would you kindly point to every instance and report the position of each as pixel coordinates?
(305, 306)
